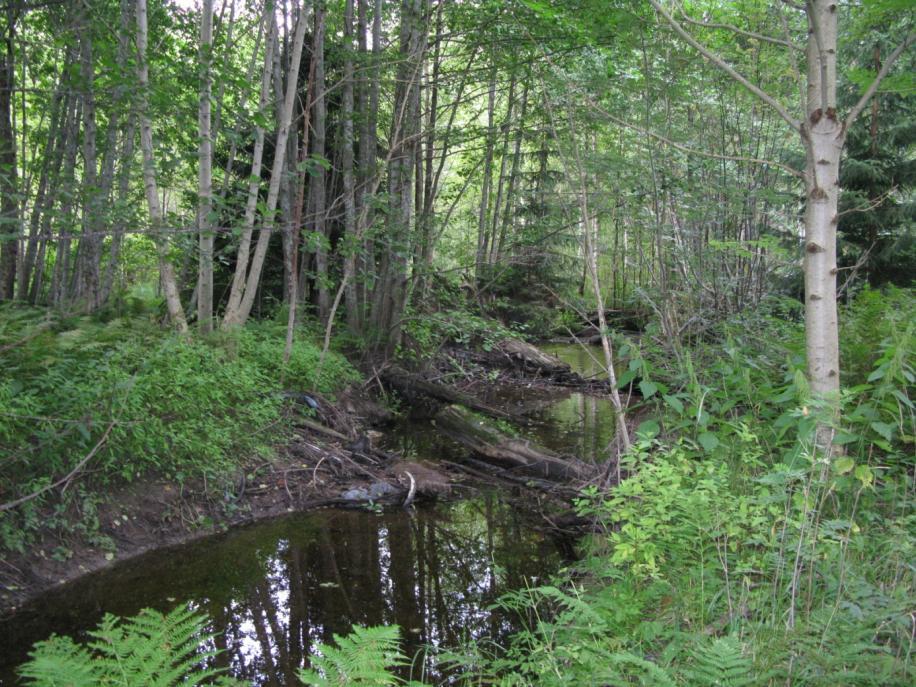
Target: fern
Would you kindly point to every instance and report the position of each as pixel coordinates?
(364, 658)
(150, 649)
(722, 663)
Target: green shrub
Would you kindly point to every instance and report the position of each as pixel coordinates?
(164, 404)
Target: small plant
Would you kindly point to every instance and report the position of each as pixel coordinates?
(365, 658)
(148, 650)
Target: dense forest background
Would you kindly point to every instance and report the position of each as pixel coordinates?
(209, 208)
(387, 150)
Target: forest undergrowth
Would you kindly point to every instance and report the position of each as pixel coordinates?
(733, 553)
(93, 401)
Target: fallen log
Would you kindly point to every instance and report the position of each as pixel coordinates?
(409, 384)
(488, 443)
(533, 358)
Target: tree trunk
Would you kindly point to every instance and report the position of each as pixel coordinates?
(391, 288)
(513, 178)
(239, 316)
(50, 167)
(483, 237)
(823, 136)
(366, 153)
(166, 269)
(294, 271)
(86, 281)
(350, 245)
(9, 205)
(254, 180)
(205, 176)
(318, 183)
(501, 179)
(64, 222)
(489, 443)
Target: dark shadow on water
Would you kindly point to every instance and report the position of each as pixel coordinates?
(275, 589)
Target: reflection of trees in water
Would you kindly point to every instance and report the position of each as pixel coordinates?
(434, 573)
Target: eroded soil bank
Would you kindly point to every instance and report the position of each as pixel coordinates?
(354, 452)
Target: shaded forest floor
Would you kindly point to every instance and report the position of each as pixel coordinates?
(326, 450)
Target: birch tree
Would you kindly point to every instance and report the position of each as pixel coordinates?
(167, 280)
(822, 133)
(243, 292)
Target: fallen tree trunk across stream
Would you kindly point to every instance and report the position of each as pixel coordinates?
(533, 358)
(409, 385)
(507, 453)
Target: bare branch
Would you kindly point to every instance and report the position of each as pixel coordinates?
(65, 480)
(793, 62)
(821, 54)
(873, 88)
(726, 67)
(785, 42)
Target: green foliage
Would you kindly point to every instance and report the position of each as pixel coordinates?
(183, 409)
(722, 661)
(733, 553)
(364, 658)
(262, 343)
(148, 650)
(425, 334)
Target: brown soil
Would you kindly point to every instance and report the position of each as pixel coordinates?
(330, 459)
(311, 470)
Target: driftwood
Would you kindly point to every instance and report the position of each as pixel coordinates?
(409, 384)
(486, 442)
(533, 358)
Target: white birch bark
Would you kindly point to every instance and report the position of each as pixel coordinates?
(239, 316)
(166, 270)
(254, 181)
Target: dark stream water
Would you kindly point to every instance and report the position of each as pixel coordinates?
(273, 590)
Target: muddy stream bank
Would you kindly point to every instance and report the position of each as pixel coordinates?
(275, 588)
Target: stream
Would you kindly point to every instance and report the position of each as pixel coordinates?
(274, 589)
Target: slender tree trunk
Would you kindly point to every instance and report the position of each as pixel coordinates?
(350, 244)
(370, 174)
(295, 276)
(513, 176)
(120, 206)
(482, 214)
(50, 167)
(425, 169)
(86, 282)
(318, 183)
(166, 269)
(254, 180)
(205, 176)
(64, 217)
(500, 184)
(366, 155)
(390, 290)
(239, 316)
(9, 204)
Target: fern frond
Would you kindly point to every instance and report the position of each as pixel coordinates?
(59, 662)
(148, 650)
(364, 658)
(723, 663)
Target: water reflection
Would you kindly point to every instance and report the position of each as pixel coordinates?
(276, 589)
(587, 361)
